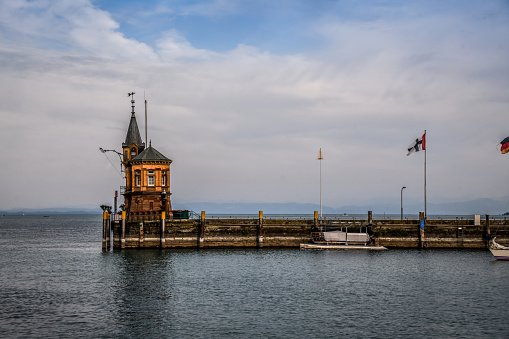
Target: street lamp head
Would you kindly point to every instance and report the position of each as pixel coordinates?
(403, 187)
(101, 149)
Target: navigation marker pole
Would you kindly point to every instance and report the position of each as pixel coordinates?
(320, 157)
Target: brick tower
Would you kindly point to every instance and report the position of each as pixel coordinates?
(147, 174)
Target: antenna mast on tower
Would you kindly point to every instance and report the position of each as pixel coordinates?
(146, 138)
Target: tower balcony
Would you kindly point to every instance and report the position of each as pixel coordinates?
(144, 189)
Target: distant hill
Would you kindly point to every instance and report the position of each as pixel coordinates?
(478, 206)
(50, 211)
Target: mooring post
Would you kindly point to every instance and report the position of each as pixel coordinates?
(142, 237)
(201, 230)
(108, 231)
(370, 217)
(115, 204)
(163, 229)
(104, 229)
(487, 230)
(122, 239)
(259, 230)
(422, 243)
(315, 220)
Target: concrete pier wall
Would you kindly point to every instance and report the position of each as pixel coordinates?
(230, 233)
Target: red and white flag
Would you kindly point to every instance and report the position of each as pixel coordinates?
(418, 145)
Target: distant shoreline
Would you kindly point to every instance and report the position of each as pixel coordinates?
(290, 216)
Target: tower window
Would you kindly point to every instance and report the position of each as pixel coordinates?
(151, 178)
(163, 178)
(133, 152)
(137, 178)
(125, 155)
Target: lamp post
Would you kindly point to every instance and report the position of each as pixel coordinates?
(402, 188)
(163, 200)
(118, 153)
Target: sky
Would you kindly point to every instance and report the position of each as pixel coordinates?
(242, 94)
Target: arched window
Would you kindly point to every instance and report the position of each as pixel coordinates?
(133, 152)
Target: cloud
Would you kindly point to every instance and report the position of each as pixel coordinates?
(246, 124)
(173, 46)
(72, 26)
(215, 8)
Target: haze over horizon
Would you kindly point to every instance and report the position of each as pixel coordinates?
(242, 94)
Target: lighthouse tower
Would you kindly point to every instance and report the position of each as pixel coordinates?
(147, 175)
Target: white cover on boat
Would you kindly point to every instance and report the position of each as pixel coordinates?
(334, 236)
(357, 237)
(339, 236)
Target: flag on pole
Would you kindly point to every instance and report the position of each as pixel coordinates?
(419, 144)
(505, 145)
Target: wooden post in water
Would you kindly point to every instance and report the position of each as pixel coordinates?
(422, 243)
(115, 204)
(122, 239)
(108, 231)
(142, 236)
(370, 217)
(163, 229)
(105, 217)
(201, 230)
(259, 230)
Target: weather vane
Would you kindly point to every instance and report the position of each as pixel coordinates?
(132, 101)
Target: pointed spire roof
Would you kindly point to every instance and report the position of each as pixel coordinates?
(150, 154)
(133, 135)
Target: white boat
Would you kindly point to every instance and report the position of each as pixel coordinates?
(340, 237)
(340, 240)
(500, 252)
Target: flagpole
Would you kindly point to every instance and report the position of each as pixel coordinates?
(320, 158)
(425, 202)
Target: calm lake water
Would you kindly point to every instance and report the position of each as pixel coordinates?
(56, 282)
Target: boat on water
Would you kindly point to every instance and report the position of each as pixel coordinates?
(341, 240)
(499, 252)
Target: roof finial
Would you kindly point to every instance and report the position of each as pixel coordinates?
(150, 143)
(132, 101)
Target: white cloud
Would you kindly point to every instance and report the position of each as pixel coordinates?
(214, 8)
(173, 46)
(70, 25)
(246, 124)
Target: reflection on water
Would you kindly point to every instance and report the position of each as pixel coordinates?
(143, 292)
(55, 281)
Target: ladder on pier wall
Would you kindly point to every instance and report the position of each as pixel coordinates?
(459, 235)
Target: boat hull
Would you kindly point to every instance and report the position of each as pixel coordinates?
(340, 247)
(500, 254)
